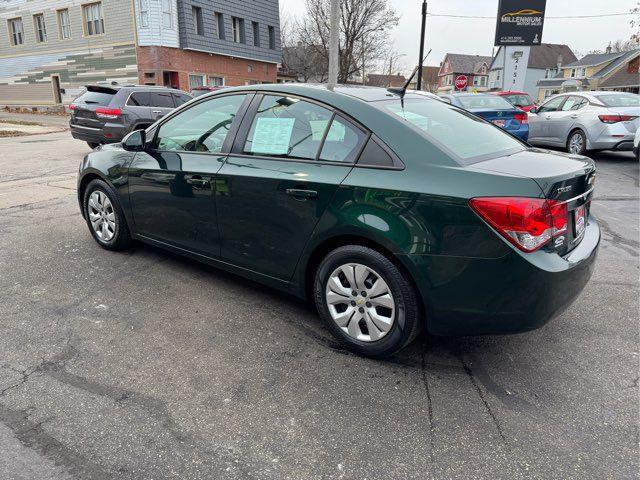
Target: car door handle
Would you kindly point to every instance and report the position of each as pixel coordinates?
(198, 180)
(300, 193)
(574, 116)
(548, 117)
(156, 111)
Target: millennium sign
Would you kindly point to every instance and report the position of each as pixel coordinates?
(520, 22)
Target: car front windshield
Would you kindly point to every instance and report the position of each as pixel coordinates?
(467, 138)
(620, 99)
(484, 101)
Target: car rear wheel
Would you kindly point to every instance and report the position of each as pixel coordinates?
(366, 301)
(92, 145)
(577, 142)
(104, 216)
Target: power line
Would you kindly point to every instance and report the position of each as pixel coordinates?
(546, 18)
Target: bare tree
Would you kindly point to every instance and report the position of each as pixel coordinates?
(364, 28)
(635, 22)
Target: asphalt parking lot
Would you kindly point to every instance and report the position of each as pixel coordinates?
(146, 365)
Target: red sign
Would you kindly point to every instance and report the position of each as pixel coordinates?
(461, 82)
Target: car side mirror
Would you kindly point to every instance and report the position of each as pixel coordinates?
(135, 141)
(533, 110)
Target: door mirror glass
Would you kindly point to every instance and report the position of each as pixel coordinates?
(135, 141)
(534, 110)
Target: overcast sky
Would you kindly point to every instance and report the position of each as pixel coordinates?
(475, 36)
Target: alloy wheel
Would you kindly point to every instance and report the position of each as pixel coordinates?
(102, 216)
(360, 302)
(576, 142)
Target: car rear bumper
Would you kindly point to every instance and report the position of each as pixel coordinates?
(110, 133)
(512, 294)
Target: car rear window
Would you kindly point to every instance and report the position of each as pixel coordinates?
(484, 101)
(620, 100)
(465, 137)
(519, 100)
(96, 98)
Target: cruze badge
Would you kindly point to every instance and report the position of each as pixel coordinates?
(564, 189)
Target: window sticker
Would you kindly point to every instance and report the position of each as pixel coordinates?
(317, 129)
(272, 136)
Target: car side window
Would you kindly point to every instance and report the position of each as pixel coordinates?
(287, 127)
(572, 103)
(581, 103)
(201, 128)
(552, 105)
(162, 100)
(180, 98)
(138, 99)
(342, 142)
(376, 155)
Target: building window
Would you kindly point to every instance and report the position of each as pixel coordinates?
(167, 14)
(272, 38)
(220, 25)
(93, 21)
(578, 72)
(143, 8)
(196, 80)
(256, 34)
(64, 24)
(16, 32)
(550, 73)
(40, 28)
(237, 28)
(216, 81)
(198, 23)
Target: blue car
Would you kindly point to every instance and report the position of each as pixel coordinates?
(493, 109)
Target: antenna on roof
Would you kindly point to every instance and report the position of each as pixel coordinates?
(402, 90)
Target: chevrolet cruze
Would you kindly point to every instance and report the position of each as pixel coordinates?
(392, 213)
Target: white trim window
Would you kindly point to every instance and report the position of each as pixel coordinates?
(64, 24)
(143, 8)
(578, 72)
(216, 81)
(93, 20)
(167, 14)
(196, 80)
(40, 28)
(16, 32)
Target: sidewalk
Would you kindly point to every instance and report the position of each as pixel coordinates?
(48, 120)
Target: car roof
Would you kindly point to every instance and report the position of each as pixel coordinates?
(322, 92)
(116, 88)
(512, 92)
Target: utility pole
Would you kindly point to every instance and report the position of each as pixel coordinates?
(334, 43)
(420, 59)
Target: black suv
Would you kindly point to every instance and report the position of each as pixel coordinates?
(105, 114)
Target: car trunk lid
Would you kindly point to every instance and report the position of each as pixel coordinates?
(506, 119)
(563, 178)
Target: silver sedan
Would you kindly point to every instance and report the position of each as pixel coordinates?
(583, 121)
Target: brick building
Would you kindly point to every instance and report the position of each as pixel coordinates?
(49, 49)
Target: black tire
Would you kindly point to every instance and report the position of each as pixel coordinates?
(583, 150)
(92, 145)
(121, 239)
(407, 322)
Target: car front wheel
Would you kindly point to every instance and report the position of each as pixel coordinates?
(366, 301)
(577, 142)
(104, 216)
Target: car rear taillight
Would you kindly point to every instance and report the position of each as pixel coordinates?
(528, 223)
(521, 117)
(110, 113)
(616, 118)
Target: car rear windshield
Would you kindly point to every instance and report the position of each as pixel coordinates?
(96, 98)
(484, 101)
(620, 99)
(519, 100)
(465, 137)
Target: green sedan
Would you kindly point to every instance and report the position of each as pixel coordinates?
(394, 214)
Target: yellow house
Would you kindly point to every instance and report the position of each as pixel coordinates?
(590, 73)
